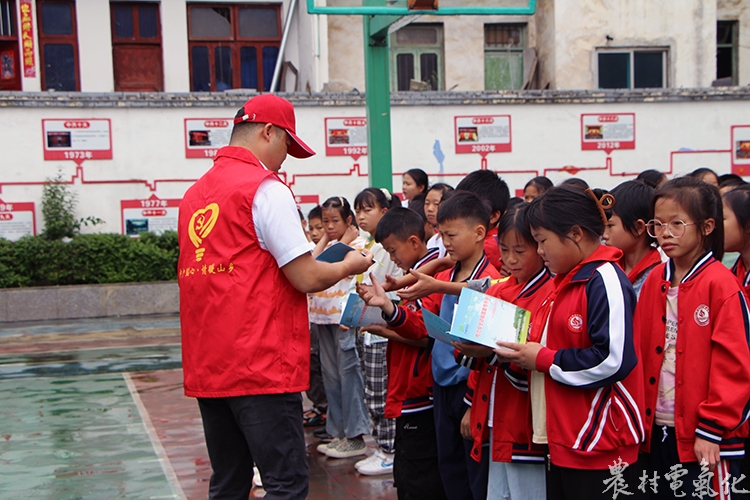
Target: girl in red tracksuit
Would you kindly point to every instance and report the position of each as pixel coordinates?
(498, 393)
(586, 389)
(626, 230)
(694, 323)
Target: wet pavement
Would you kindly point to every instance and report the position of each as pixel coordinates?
(94, 409)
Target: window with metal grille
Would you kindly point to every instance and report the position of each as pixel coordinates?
(503, 56)
(417, 58)
(233, 46)
(58, 41)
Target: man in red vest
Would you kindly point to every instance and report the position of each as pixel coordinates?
(244, 269)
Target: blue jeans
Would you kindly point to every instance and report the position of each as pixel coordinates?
(343, 382)
(516, 481)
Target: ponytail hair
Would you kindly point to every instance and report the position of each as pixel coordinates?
(565, 206)
(340, 204)
(701, 201)
(375, 197)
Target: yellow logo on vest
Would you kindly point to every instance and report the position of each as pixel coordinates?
(201, 224)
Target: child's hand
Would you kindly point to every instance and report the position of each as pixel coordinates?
(473, 350)
(381, 331)
(708, 451)
(524, 355)
(390, 284)
(350, 235)
(466, 425)
(375, 296)
(343, 328)
(424, 286)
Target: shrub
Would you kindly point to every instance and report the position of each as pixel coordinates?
(58, 209)
(88, 259)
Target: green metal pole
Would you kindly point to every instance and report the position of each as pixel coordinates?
(378, 100)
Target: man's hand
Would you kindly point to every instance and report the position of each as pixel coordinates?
(473, 350)
(424, 286)
(358, 262)
(466, 425)
(375, 296)
(524, 355)
(708, 451)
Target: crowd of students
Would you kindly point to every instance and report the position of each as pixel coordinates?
(636, 374)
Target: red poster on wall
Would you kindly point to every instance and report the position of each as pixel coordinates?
(205, 136)
(153, 215)
(482, 134)
(741, 150)
(607, 132)
(27, 40)
(17, 220)
(346, 136)
(77, 139)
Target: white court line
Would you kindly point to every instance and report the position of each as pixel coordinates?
(166, 465)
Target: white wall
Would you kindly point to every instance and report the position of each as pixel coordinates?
(174, 36)
(148, 145)
(95, 46)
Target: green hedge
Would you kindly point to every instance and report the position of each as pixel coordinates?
(88, 259)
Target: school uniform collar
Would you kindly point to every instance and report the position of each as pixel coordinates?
(432, 254)
(585, 270)
(652, 258)
(479, 268)
(535, 283)
(738, 269)
(702, 263)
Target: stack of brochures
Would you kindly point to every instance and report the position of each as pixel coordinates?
(481, 319)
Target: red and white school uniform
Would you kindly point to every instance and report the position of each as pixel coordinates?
(511, 415)
(592, 383)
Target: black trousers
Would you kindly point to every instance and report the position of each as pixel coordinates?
(264, 430)
(415, 464)
(463, 478)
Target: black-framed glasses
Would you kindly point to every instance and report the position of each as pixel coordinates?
(655, 228)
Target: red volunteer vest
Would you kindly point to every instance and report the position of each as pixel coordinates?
(244, 326)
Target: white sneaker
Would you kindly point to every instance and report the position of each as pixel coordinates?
(346, 448)
(324, 447)
(257, 481)
(376, 464)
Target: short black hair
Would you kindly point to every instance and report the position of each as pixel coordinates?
(563, 207)
(515, 219)
(738, 199)
(575, 182)
(440, 186)
(731, 180)
(541, 183)
(651, 177)
(371, 197)
(315, 213)
(400, 223)
(301, 215)
(417, 205)
(466, 206)
(702, 201)
(633, 202)
(488, 186)
(699, 173)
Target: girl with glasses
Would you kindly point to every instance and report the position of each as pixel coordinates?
(693, 319)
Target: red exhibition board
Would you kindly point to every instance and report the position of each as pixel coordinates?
(152, 214)
(77, 139)
(741, 150)
(17, 220)
(608, 131)
(482, 134)
(346, 136)
(205, 136)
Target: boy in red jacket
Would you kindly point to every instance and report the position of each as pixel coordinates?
(463, 221)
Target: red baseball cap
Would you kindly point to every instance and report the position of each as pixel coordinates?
(269, 108)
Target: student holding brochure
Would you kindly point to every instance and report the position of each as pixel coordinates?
(463, 221)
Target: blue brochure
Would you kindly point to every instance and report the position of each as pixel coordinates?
(357, 314)
(484, 319)
(334, 253)
(438, 328)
